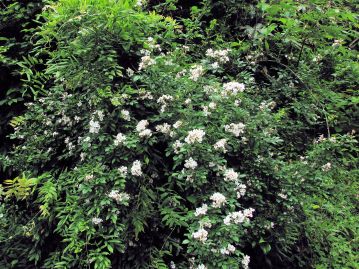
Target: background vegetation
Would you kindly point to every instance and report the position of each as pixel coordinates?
(179, 134)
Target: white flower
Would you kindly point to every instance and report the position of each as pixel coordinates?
(205, 223)
(326, 167)
(180, 73)
(241, 190)
(119, 196)
(245, 261)
(139, 3)
(100, 115)
(283, 195)
(89, 177)
(212, 105)
(177, 124)
(230, 175)
(248, 213)
(136, 169)
(123, 171)
(164, 128)
(224, 251)
(201, 210)
(221, 145)
(218, 200)
(187, 101)
(165, 99)
(215, 65)
(200, 235)
(190, 178)
(97, 221)
(190, 164)
(141, 128)
(237, 102)
(196, 72)
(231, 248)
(201, 266)
(125, 114)
(130, 72)
(195, 135)
(228, 250)
(146, 61)
(219, 55)
(206, 111)
(145, 132)
(232, 88)
(235, 129)
(141, 125)
(177, 145)
(119, 139)
(227, 220)
(239, 216)
(94, 127)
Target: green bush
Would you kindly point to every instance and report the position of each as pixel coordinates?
(155, 143)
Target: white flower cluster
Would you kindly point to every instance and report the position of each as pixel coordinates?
(267, 105)
(194, 136)
(140, 3)
(119, 139)
(230, 175)
(239, 216)
(136, 169)
(89, 177)
(164, 100)
(123, 171)
(241, 189)
(326, 167)
(206, 109)
(201, 210)
(97, 221)
(209, 89)
(145, 95)
(219, 55)
(245, 261)
(232, 88)
(94, 127)
(201, 266)
(228, 250)
(218, 200)
(177, 145)
(130, 72)
(100, 114)
(221, 145)
(125, 114)
(196, 72)
(119, 196)
(164, 128)
(235, 128)
(177, 124)
(152, 44)
(190, 164)
(200, 235)
(142, 130)
(146, 61)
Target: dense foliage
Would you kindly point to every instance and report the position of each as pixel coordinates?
(179, 134)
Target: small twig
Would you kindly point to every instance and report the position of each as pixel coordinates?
(167, 238)
(351, 45)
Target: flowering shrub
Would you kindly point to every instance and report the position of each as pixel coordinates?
(141, 155)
